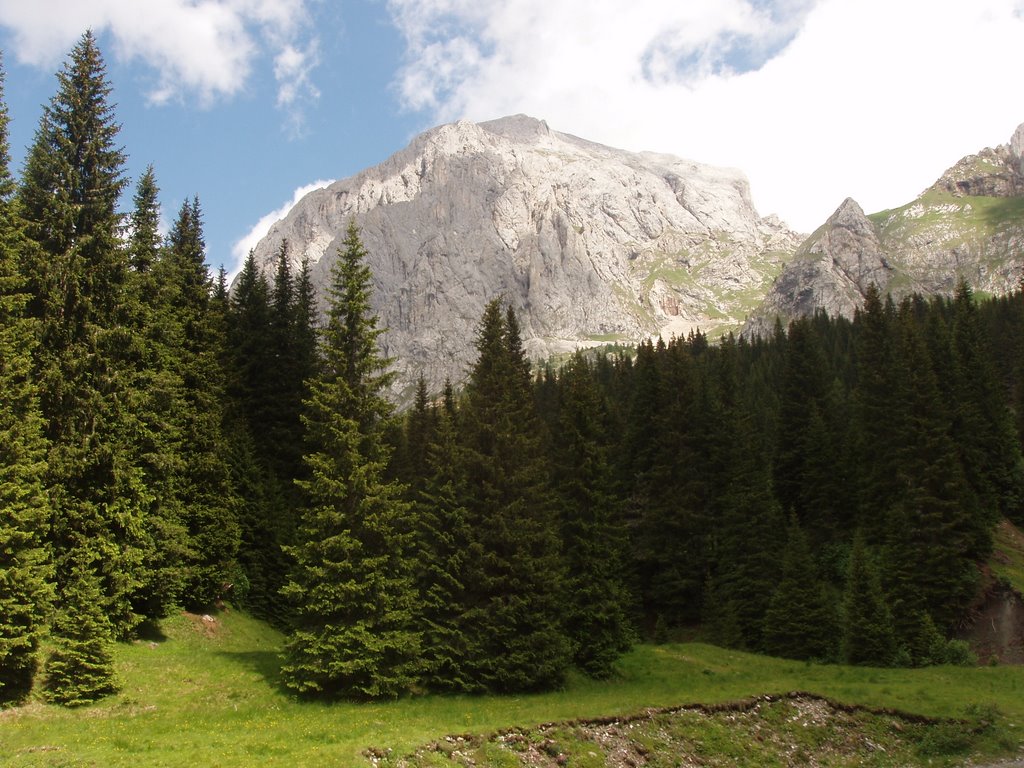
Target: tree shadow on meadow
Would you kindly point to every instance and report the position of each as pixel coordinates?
(265, 664)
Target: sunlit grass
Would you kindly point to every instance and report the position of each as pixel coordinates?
(209, 694)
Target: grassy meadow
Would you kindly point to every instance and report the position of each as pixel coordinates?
(207, 692)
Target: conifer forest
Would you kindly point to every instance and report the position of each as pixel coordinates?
(826, 493)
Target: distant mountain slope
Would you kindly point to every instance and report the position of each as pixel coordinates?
(589, 244)
(969, 223)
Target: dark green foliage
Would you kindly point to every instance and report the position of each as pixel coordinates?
(80, 668)
(982, 425)
(270, 356)
(352, 587)
(934, 520)
(867, 633)
(444, 538)
(596, 604)
(669, 508)
(749, 534)
(25, 571)
(801, 620)
(202, 482)
(512, 623)
(156, 384)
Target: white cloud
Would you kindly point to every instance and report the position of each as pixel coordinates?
(206, 48)
(814, 99)
(249, 241)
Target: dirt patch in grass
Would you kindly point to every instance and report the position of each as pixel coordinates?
(206, 624)
(796, 729)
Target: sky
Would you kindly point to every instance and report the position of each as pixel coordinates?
(248, 104)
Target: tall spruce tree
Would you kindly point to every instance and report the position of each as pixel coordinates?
(514, 570)
(156, 386)
(982, 425)
(352, 588)
(202, 482)
(800, 622)
(597, 602)
(25, 574)
(748, 538)
(444, 538)
(70, 188)
(930, 567)
(671, 528)
(867, 633)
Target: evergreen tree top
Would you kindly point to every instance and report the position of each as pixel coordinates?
(76, 152)
(6, 179)
(350, 338)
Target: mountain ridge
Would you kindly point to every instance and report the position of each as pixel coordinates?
(588, 243)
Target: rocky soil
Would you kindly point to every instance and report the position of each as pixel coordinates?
(797, 729)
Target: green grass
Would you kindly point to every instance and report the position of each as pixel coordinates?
(210, 694)
(968, 218)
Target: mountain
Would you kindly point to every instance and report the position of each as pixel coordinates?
(969, 223)
(588, 243)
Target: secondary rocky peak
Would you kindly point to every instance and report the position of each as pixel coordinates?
(968, 224)
(590, 244)
(991, 172)
(831, 271)
(848, 214)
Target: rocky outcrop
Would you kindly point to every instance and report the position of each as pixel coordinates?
(990, 173)
(589, 244)
(830, 271)
(969, 224)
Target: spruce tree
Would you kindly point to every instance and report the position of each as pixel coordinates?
(867, 634)
(748, 534)
(670, 533)
(351, 589)
(930, 564)
(878, 417)
(87, 359)
(596, 602)
(25, 571)
(202, 483)
(514, 570)
(80, 667)
(411, 460)
(250, 350)
(155, 386)
(800, 622)
(982, 425)
(444, 538)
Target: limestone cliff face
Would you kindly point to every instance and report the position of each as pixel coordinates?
(969, 224)
(589, 244)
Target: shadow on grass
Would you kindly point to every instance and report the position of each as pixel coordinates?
(266, 664)
(150, 631)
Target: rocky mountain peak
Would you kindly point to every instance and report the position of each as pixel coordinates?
(590, 244)
(517, 128)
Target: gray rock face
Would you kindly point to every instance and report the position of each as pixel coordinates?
(589, 244)
(830, 271)
(969, 224)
